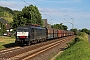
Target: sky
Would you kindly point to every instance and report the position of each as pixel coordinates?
(72, 13)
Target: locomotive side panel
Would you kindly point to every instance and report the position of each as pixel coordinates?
(38, 34)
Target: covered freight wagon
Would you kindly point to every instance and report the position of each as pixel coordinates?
(59, 33)
(49, 33)
(55, 33)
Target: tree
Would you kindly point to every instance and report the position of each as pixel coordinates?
(29, 15)
(85, 30)
(64, 27)
(74, 30)
(2, 28)
(6, 13)
(15, 11)
(59, 26)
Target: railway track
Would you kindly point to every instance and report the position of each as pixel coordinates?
(28, 52)
(8, 50)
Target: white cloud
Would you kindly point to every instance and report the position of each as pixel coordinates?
(11, 4)
(15, 5)
(65, 12)
(53, 15)
(8, 4)
(81, 18)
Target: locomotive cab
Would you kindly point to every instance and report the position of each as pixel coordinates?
(22, 35)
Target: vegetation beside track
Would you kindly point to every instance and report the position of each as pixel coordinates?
(78, 49)
(6, 42)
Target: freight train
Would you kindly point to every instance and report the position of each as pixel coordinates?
(26, 35)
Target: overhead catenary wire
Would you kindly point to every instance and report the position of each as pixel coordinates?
(71, 23)
(25, 2)
(42, 12)
(47, 14)
(51, 18)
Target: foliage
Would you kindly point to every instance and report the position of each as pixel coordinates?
(6, 13)
(85, 30)
(6, 9)
(2, 28)
(80, 37)
(59, 26)
(15, 11)
(29, 15)
(74, 30)
(78, 50)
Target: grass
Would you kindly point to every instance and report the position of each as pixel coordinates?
(80, 50)
(6, 42)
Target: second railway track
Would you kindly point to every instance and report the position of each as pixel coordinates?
(28, 52)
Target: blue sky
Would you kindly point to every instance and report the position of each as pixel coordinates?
(57, 11)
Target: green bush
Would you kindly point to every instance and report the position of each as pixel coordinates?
(82, 34)
(79, 49)
(77, 39)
